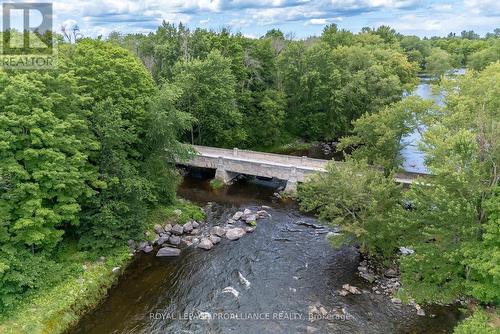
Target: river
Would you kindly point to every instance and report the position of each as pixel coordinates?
(289, 268)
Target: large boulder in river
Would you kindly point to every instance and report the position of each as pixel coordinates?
(168, 228)
(188, 227)
(247, 211)
(237, 215)
(168, 251)
(250, 218)
(214, 239)
(262, 214)
(235, 233)
(163, 239)
(205, 244)
(177, 229)
(218, 231)
(174, 240)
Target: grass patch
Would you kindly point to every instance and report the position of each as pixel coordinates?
(216, 184)
(169, 214)
(480, 322)
(56, 309)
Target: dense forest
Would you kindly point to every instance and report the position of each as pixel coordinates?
(273, 90)
(88, 150)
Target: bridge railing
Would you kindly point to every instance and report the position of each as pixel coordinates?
(261, 156)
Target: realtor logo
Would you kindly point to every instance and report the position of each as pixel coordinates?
(27, 38)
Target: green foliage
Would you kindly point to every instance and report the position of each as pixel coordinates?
(137, 126)
(378, 136)
(460, 49)
(44, 144)
(272, 87)
(482, 257)
(216, 184)
(329, 88)
(86, 151)
(360, 199)
(450, 215)
(169, 214)
(416, 49)
(208, 94)
(438, 63)
(480, 59)
(479, 323)
(70, 288)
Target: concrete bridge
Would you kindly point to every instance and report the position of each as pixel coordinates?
(230, 163)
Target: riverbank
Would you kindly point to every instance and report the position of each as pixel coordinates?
(56, 309)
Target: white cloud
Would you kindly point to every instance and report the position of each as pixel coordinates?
(415, 16)
(318, 21)
(441, 24)
(486, 7)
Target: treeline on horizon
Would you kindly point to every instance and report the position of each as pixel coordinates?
(265, 92)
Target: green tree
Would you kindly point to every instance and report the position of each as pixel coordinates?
(453, 211)
(334, 37)
(208, 94)
(44, 147)
(45, 175)
(121, 117)
(358, 198)
(416, 49)
(438, 63)
(479, 60)
(378, 137)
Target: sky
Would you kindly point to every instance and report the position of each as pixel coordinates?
(302, 18)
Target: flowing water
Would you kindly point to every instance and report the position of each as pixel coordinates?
(271, 278)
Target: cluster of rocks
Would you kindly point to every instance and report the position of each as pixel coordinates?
(349, 289)
(328, 148)
(386, 283)
(319, 312)
(170, 238)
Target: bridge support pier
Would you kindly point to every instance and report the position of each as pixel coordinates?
(291, 183)
(225, 176)
(222, 174)
(291, 187)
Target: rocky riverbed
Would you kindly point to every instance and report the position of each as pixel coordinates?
(171, 238)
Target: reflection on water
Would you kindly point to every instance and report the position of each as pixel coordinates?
(289, 267)
(413, 158)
